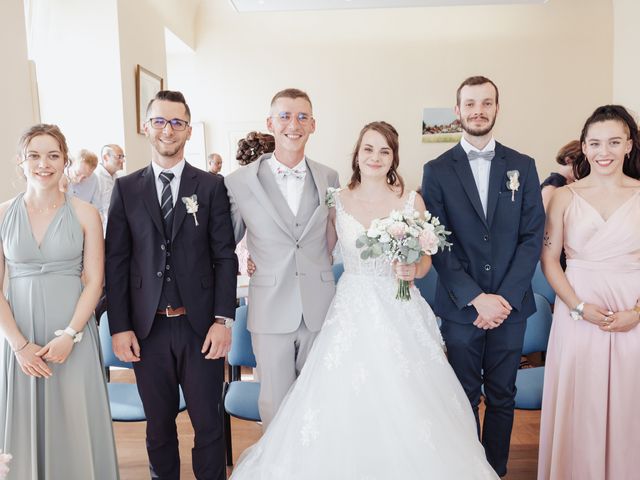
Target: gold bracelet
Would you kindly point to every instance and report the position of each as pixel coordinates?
(22, 347)
(637, 310)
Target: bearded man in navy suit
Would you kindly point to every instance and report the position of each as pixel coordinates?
(488, 196)
(171, 284)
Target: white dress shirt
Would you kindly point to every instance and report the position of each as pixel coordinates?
(291, 186)
(481, 168)
(175, 181)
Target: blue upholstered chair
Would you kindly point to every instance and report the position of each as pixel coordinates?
(124, 399)
(536, 337)
(240, 398)
(541, 285)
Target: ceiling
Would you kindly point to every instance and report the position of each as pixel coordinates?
(289, 5)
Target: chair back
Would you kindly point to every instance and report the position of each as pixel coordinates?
(536, 335)
(241, 353)
(109, 358)
(427, 286)
(541, 286)
(338, 270)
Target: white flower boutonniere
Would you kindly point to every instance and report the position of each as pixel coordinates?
(192, 206)
(513, 184)
(330, 198)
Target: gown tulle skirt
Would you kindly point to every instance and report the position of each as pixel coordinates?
(376, 399)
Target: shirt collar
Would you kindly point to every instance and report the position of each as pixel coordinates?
(176, 169)
(274, 164)
(491, 146)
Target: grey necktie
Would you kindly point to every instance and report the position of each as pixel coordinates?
(475, 155)
(166, 202)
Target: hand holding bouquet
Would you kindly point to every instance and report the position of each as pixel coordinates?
(4, 464)
(403, 237)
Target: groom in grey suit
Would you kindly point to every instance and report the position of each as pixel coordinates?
(279, 201)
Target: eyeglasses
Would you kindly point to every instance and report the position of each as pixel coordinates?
(285, 117)
(121, 156)
(176, 124)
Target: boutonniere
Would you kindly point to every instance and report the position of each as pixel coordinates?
(330, 198)
(513, 184)
(192, 206)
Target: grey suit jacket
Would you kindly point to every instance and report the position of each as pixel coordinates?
(293, 279)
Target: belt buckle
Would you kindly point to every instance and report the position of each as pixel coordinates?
(169, 315)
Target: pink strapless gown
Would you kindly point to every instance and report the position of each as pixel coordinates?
(590, 425)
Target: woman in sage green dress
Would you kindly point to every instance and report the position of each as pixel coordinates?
(54, 410)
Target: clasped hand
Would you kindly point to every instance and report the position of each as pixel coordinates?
(609, 321)
(405, 271)
(492, 310)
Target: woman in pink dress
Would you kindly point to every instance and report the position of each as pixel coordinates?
(590, 426)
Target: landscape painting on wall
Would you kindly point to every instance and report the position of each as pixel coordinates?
(440, 125)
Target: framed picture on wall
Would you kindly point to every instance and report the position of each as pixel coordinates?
(147, 85)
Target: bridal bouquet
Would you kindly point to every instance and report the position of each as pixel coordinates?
(403, 237)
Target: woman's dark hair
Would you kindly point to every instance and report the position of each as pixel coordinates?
(254, 145)
(390, 135)
(631, 165)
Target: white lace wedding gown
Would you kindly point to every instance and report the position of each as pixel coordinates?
(376, 399)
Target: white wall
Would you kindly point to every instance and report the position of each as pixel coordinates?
(75, 46)
(626, 63)
(364, 65)
(16, 84)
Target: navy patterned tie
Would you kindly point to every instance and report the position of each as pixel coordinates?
(166, 202)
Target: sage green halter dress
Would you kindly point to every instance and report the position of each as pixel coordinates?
(57, 428)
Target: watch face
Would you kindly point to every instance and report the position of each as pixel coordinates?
(575, 315)
(228, 322)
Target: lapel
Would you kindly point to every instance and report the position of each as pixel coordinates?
(188, 186)
(463, 170)
(321, 189)
(150, 197)
(255, 187)
(496, 176)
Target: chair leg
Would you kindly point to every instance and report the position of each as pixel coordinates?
(226, 427)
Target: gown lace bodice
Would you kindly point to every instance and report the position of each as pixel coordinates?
(348, 230)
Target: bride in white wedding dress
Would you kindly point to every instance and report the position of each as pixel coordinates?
(376, 399)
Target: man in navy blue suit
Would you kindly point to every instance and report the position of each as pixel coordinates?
(171, 284)
(488, 196)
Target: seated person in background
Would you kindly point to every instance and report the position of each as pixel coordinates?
(565, 158)
(83, 183)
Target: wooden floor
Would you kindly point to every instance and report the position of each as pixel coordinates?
(132, 455)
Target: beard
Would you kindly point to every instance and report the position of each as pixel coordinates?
(480, 131)
(168, 150)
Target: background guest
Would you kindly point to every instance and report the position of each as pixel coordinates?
(84, 184)
(214, 163)
(589, 421)
(565, 158)
(111, 162)
(250, 148)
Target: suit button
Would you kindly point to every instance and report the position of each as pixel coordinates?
(159, 274)
(168, 279)
(296, 274)
(487, 267)
(162, 247)
(297, 224)
(167, 267)
(297, 245)
(486, 238)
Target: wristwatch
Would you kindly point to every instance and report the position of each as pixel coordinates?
(576, 313)
(226, 321)
(77, 336)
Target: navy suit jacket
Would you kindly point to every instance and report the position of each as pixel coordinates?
(203, 260)
(493, 254)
